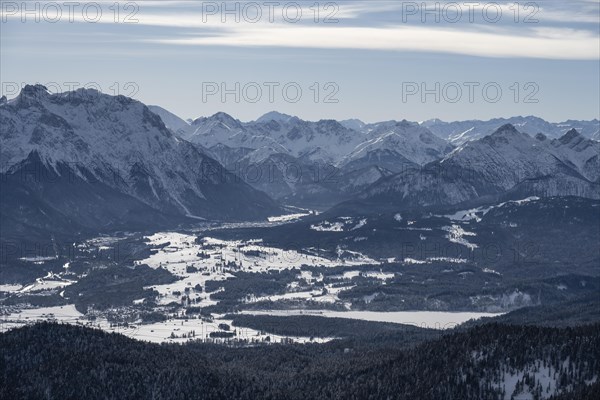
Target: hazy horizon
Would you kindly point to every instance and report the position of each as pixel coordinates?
(400, 118)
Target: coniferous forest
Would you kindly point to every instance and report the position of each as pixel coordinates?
(54, 361)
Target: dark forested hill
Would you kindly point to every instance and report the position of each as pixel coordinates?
(50, 361)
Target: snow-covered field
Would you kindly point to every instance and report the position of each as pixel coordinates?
(66, 314)
(50, 281)
(195, 263)
(218, 260)
(344, 224)
(37, 259)
(327, 226)
(173, 330)
(452, 260)
(476, 214)
(287, 217)
(183, 251)
(10, 287)
(329, 295)
(456, 234)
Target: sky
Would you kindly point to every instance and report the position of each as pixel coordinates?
(366, 59)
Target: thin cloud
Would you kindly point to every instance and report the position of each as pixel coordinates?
(561, 33)
(545, 43)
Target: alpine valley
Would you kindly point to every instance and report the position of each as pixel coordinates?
(288, 259)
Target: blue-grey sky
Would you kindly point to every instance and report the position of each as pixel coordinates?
(364, 59)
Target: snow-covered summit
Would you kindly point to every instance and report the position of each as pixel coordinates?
(117, 141)
(274, 116)
(459, 132)
(411, 141)
(505, 161)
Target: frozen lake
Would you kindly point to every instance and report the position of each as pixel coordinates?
(422, 319)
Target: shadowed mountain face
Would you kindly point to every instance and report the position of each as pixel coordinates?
(322, 141)
(325, 141)
(460, 132)
(85, 159)
(298, 180)
(310, 163)
(416, 167)
(507, 163)
(89, 146)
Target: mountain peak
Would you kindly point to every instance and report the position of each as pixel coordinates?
(3, 100)
(355, 124)
(33, 94)
(108, 139)
(221, 116)
(506, 134)
(31, 89)
(404, 124)
(329, 123)
(570, 136)
(274, 116)
(507, 129)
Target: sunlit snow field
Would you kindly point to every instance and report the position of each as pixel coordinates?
(177, 251)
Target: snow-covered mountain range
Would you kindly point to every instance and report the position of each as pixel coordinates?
(460, 132)
(399, 142)
(150, 162)
(345, 141)
(506, 163)
(361, 154)
(74, 151)
(324, 141)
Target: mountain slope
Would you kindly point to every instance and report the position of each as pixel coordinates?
(410, 143)
(579, 152)
(505, 162)
(459, 132)
(101, 144)
(290, 134)
(177, 125)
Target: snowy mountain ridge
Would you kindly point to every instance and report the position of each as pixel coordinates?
(508, 161)
(324, 141)
(341, 143)
(120, 143)
(460, 132)
(410, 140)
